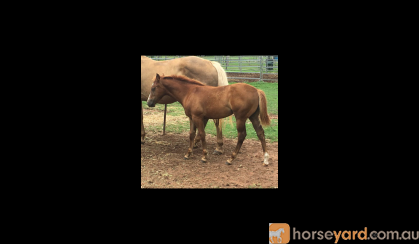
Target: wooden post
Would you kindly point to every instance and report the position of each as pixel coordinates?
(164, 122)
(261, 68)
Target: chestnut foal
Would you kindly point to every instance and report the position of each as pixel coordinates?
(202, 102)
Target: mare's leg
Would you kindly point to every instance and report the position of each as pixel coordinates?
(191, 138)
(219, 149)
(142, 125)
(200, 124)
(241, 129)
(261, 134)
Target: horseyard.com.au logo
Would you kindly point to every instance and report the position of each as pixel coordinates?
(279, 233)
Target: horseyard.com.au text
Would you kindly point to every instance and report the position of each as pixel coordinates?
(355, 235)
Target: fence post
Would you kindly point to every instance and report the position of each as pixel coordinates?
(261, 68)
(164, 122)
(227, 62)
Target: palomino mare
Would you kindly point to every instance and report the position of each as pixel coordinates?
(208, 72)
(203, 102)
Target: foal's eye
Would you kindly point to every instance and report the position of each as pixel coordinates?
(153, 89)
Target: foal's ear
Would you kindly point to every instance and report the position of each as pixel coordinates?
(157, 77)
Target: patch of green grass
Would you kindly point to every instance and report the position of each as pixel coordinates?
(271, 92)
(174, 109)
(229, 131)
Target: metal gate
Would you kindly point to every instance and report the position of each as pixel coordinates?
(242, 65)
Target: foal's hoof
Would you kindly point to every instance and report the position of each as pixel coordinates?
(217, 152)
(228, 163)
(203, 161)
(186, 158)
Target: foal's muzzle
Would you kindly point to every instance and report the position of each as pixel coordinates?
(151, 103)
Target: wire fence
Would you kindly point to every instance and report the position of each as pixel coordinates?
(261, 68)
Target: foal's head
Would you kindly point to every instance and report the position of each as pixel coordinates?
(157, 92)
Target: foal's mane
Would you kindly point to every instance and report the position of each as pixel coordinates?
(184, 79)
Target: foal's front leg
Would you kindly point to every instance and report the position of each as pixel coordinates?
(198, 138)
(219, 149)
(200, 124)
(192, 133)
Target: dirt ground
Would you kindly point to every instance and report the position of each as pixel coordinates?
(163, 165)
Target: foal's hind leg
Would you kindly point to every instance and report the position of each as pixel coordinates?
(191, 138)
(261, 134)
(241, 129)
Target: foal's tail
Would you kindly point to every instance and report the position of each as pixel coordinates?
(263, 109)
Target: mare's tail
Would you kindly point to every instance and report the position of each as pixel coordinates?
(222, 75)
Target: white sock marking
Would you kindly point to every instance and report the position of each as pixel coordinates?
(266, 157)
